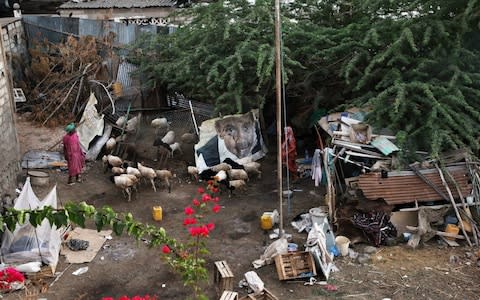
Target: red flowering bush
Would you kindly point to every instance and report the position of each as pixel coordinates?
(187, 258)
(11, 279)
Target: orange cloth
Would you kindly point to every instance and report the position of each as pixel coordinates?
(290, 145)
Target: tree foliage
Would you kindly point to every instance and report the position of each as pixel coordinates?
(413, 64)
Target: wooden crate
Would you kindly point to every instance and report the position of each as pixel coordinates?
(229, 295)
(223, 276)
(264, 295)
(295, 265)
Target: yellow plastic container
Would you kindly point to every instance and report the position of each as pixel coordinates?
(452, 228)
(266, 222)
(157, 213)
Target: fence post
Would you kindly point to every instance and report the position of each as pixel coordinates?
(193, 116)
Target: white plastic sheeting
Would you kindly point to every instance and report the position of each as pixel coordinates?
(27, 243)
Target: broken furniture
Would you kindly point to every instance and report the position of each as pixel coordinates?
(223, 277)
(295, 265)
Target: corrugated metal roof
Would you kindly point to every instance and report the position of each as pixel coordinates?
(117, 4)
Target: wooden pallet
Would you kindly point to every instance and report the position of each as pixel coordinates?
(223, 276)
(229, 295)
(295, 265)
(264, 295)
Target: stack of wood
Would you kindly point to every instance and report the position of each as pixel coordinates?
(60, 74)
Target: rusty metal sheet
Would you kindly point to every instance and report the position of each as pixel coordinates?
(406, 187)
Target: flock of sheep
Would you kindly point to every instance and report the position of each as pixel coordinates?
(126, 175)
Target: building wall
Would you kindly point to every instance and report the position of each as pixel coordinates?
(9, 146)
(15, 46)
(159, 13)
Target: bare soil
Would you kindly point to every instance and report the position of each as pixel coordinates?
(125, 267)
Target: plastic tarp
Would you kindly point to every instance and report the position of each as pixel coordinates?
(27, 243)
(91, 123)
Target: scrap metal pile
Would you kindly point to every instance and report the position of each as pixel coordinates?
(60, 75)
(365, 164)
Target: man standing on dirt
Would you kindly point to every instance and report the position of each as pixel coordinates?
(73, 154)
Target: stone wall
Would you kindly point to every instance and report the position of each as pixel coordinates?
(9, 146)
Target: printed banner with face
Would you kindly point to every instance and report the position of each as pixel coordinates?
(237, 137)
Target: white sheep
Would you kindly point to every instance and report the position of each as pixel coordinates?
(188, 138)
(244, 160)
(193, 172)
(118, 170)
(125, 183)
(110, 145)
(165, 175)
(238, 184)
(253, 168)
(134, 171)
(121, 121)
(110, 161)
(169, 137)
(221, 166)
(133, 123)
(238, 174)
(175, 147)
(160, 124)
(148, 173)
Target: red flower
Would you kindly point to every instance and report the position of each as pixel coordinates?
(215, 190)
(210, 182)
(206, 198)
(166, 249)
(189, 210)
(193, 231)
(216, 199)
(216, 208)
(124, 298)
(203, 231)
(210, 226)
(196, 202)
(107, 298)
(189, 221)
(200, 190)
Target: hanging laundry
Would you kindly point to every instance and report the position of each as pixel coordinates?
(317, 167)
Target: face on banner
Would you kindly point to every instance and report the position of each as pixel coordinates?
(235, 137)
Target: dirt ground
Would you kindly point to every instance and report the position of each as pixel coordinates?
(125, 267)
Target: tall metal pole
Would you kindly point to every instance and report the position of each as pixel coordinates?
(278, 92)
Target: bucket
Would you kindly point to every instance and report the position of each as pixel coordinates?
(117, 89)
(318, 215)
(38, 178)
(266, 222)
(452, 228)
(342, 243)
(157, 213)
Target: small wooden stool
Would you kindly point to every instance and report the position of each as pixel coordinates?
(223, 277)
(229, 295)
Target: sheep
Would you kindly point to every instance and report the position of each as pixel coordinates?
(110, 145)
(189, 138)
(221, 166)
(165, 175)
(193, 172)
(237, 184)
(110, 161)
(253, 168)
(169, 137)
(118, 170)
(175, 147)
(244, 160)
(121, 121)
(160, 123)
(134, 171)
(148, 173)
(134, 179)
(233, 164)
(238, 174)
(125, 183)
(132, 124)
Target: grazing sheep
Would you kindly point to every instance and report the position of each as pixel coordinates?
(121, 121)
(165, 175)
(221, 166)
(193, 172)
(237, 184)
(110, 161)
(233, 164)
(160, 124)
(118, 170)
(110, 145)
(125, 183)
(134, 171)
(175, 147)
(169, 137)
(133, 123)
(148, 173)
(238, 174)
(189, 138)
(253, 168)
(244, 160)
